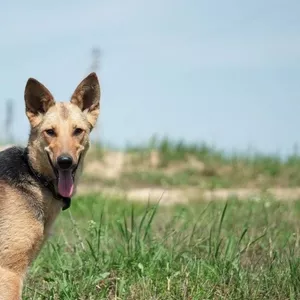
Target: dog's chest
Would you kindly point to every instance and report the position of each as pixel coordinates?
(51, 213)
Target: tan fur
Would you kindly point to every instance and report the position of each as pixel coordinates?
(22, 234)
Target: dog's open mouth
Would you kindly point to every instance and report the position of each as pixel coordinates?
(65, 182)
(65, 179)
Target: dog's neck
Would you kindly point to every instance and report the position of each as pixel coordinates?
(47, 182)
(38, 162)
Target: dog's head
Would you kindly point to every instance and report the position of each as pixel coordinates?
(59, 136)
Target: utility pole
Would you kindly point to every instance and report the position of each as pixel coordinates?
(9, 121)
(95, 66)
(96, 53)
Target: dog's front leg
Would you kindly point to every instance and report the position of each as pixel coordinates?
(11, 285)
(18, 248)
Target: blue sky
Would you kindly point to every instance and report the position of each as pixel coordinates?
(225, 72)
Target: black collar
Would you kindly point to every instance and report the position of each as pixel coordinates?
(45, 181)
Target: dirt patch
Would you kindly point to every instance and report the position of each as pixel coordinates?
(175, 196)
(110, 167)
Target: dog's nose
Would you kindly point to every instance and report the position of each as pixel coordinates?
(64, 161)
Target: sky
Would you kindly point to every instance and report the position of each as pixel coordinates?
(223, 72)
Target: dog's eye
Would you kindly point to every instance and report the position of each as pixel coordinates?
(50, 132)
(78, 131)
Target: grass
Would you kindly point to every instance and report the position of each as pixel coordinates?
(114, 249)
(196, 164)
(201, 165)
(157, 178)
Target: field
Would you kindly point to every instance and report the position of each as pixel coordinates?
(241, 246)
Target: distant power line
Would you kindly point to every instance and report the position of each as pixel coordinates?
(96, 54)
(95, 66)
(9, 117)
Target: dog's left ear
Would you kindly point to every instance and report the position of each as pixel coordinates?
(87, 97)
(38, 100)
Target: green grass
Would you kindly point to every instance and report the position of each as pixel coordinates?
(183, 178)
(157, 178)
(114, 249)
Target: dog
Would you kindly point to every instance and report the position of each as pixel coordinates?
(38, 181)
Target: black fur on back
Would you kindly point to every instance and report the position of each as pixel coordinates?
(14, 168)
(15, 171)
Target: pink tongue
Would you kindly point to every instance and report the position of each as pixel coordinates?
(65, 183)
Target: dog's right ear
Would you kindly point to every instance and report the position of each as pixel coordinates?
(38, 100)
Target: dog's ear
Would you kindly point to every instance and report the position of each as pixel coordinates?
(87, 97)
(38, 100)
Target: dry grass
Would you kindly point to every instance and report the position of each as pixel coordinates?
(168, 164)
